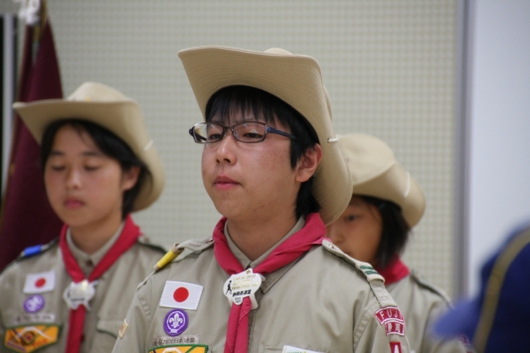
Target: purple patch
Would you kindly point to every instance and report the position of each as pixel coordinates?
(34, 303)
(176, 322)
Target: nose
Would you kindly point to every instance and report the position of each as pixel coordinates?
(73, 179)
(225, 152)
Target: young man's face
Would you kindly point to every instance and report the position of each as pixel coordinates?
(251, 181)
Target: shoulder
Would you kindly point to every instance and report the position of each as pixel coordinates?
(364, 268)
(366, 271)
(188, 250)
(32, 259)
(424, 285)
(36, 251)
(144, 241)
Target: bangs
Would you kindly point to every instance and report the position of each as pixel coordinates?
(242, 101)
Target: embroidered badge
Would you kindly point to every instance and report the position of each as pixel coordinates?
(242, 285)
(181, 348)
(392, 320)
(39, 282)
(26, 339)
(395, 347)
(181, 295)
(79, 293)
(290, 349)
(34, 303)
(185, 340)
(175, 322)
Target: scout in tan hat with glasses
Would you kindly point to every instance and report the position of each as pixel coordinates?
(99, 165)
(386, 203)
(267, 280)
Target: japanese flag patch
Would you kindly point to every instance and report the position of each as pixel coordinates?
(392, 320)
(39, 282)
(181, 295)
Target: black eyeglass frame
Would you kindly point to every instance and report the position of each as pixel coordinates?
(268, 129)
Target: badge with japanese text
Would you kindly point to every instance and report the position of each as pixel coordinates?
(392, 320)
(242, 285)
(181, 348)
(27, 339)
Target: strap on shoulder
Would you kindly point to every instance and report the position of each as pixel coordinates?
(193, 245)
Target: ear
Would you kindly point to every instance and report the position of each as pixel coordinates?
(308, 164)
(130, 178)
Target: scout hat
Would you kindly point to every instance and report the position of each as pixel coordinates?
(104, 106)
(377, 173)
(497, 318)
(295, 79)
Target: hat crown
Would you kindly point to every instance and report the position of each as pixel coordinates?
(376, 172)
(96, 92)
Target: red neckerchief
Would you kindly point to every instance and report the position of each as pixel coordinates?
(127, 238)
(291, 249)
(395, 271)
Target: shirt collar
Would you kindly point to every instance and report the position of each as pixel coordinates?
(88, 262)
(244, 260)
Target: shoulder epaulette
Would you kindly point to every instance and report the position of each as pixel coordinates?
(369, 272)
(418, 278)
(376, 281)
(144, 240)
(192, 245)
(36, 249)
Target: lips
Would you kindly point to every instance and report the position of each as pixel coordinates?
(73, 203)
(224, 182)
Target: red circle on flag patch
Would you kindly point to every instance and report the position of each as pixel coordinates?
(181, 294)
(40, 282)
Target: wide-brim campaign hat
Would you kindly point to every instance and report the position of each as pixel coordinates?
(109, 108)
(296, 80)
(496, 318)
(376, 172)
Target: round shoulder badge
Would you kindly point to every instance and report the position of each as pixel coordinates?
(175, 322)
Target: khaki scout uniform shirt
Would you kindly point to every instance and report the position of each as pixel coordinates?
(319, 303)
(420, 304)
(114, 292)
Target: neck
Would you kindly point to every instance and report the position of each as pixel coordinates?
(91, 238)
(255, 238)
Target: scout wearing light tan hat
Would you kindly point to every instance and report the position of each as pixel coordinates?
(99, 165)
(273, 169)
(386, 202)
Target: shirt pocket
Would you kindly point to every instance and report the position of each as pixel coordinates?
(106, 335)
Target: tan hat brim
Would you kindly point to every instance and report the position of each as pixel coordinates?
(124, 119)
(297, 80)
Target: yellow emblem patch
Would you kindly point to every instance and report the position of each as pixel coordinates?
(26, 339)
(181, 348)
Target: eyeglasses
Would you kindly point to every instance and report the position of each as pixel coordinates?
(246, 131)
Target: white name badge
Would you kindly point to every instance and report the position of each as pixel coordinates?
(79, 293)
(291, 349)
(242, 285)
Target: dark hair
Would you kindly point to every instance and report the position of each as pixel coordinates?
(263, 105)
(110, 144)
(395, 230)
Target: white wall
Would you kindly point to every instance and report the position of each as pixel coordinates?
(499, 180)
